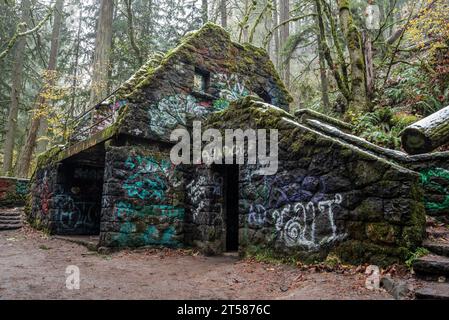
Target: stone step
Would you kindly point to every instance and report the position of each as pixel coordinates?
(10, 221)
(440, 248)
(433, 291)
(10, 217)
(10, 214)
(10, 226)
(432, 267)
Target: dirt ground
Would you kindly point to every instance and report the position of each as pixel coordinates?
(33, 266)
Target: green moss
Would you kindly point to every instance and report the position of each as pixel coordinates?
(358, 252)
(382, 232)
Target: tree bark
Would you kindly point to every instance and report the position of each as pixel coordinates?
(131, 32)
(204, 11)
(276, 33)
(357, 61)
(103, 45)
(322, 62)
(223, 14)
(23, 167)
(369, 65)
(17, 71)
(284, 34)
(427, 134)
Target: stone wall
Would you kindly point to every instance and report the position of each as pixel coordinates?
(13, 192)
(327, 196)
(67, 199)
(142, 203)
(434, 176)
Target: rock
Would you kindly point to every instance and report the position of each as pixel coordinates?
(431, 267)
(399, 290)
(440, 248)
(433, 291)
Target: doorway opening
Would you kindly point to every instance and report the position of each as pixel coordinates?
(78, 201)
(230, 174)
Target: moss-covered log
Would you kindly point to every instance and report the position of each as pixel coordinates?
(427, 134)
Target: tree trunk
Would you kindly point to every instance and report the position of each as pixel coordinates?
(323, 72)
(285, 33)
(427, 134)
(23, 167)
(357, 61)
(276, 33)
(16, 86)
(131, 32)
(103, 44)
(369, 66)
(204, 11)
(57, 23)
(223, 14)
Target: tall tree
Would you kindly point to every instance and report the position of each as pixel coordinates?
(50, 77)
(204, 11)
(284, 34)
(223, 13)
(102, 55)
(17, 71)
(322, 62)
(357, 60)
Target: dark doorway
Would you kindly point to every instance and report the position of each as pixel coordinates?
(79, 203)
(230, 175)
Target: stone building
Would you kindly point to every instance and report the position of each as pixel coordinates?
(332, 193)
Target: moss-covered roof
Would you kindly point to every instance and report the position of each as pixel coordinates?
(192, 42)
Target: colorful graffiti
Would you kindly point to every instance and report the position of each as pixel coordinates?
(149, 187)
(76, 215)
(231, 88)
(13, 192)
(171, 111)
(436, 181)
(45, 194)
(150, 178)
(296, 224)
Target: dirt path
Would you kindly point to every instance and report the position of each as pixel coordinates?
(33, 267)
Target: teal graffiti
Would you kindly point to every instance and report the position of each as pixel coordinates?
(153, 236)
(148, 179)
(21, 187)
(127, 210)
(431, 180)
(129, 235)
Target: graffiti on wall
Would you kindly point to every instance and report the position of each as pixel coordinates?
(150, 188)
(150, 178)
(436, 181)
(296, 224)
(201, 190)
(73, 214)
(231, 88)
(295, 205)
(171, 111)
(12, 191)
(44, 190)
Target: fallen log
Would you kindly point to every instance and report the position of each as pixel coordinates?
(427, 134)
